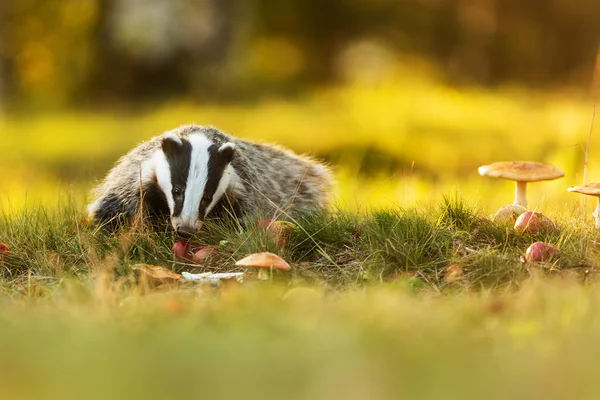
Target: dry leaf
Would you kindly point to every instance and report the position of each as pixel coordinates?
(158, 273)
(454, 272)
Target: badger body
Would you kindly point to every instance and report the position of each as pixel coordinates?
(194, 172)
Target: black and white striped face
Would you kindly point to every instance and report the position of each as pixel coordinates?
(194, 174)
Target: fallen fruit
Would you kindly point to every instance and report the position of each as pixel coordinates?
(184, 251)
(540, 251)
(3, 251)
(533, 222)
(203, 254)
(508, 214)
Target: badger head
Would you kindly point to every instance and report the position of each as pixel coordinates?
(193, 173)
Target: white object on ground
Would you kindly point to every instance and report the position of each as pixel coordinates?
(212, 278)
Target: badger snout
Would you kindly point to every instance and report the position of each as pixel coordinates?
(186, 227)
(185, 231)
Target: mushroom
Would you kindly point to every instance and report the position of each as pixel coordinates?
(264, 262)
(521, 172)
(591, 189)
(279, 231)
(532, 222)
(508, 214)
(540, 251)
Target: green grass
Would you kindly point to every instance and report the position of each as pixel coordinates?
(402, 292)
(337, 248)
(368, 310)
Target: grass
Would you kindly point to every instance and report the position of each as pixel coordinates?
(404, 291)
(373, 307)
(338, 249)
(99, 335)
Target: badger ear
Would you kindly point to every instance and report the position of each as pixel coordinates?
(226, 151)
(171, 143)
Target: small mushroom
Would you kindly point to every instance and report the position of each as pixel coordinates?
(264, 262)
(508, 214)
(279, 231)
(591, 189)
(521, 172)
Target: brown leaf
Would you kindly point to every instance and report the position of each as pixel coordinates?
(454, 272)
(158, 273)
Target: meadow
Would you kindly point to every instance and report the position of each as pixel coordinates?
(404, 289)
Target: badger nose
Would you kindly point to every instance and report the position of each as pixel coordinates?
(185, 231)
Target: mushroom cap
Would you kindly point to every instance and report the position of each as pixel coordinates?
(591, 189)
(264, 260)
(522, 171)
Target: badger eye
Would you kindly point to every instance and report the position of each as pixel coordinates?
(206, 201)
(176, 191)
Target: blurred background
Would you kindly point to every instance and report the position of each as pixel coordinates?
(404, 98)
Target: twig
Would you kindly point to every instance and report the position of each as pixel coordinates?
(587, 148)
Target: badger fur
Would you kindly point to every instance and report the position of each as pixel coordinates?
(193, 173)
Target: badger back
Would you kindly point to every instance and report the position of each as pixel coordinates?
(279, 181)
(118, 195)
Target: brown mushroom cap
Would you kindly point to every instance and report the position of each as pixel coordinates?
(264, 260)
(522, 171)
(591, 189)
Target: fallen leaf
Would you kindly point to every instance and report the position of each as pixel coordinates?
(158, 273)
(454, 272)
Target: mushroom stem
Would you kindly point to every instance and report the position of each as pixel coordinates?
(597, 213)
(263, 274)
(521, 193)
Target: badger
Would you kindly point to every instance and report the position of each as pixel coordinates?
(194, 173)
